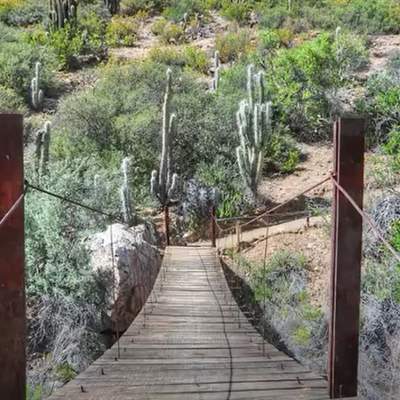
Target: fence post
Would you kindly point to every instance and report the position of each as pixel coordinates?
(238, 235)
(12, 281)
(346, 258)
(213, 228)
(166, 224)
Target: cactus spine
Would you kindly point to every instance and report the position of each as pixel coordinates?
(126, 200)
(37, 95)
(62, 12)
(163, 184)
(112, 5)
(42, 150)
(254, 127)
(217, 66)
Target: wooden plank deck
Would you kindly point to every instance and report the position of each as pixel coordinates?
(187, 344)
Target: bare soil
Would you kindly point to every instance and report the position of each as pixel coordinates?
(316, 166)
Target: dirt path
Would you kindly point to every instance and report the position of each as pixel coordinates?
(382, 48)
(316, 166)
(203, 38)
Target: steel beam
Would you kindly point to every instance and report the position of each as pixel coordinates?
(12, 282)
(346, 258)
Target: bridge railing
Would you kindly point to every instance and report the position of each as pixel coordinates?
(346, 221)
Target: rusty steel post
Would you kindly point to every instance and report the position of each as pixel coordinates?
(346, 258)
(213, 228)
(166, 224)
(12, 281)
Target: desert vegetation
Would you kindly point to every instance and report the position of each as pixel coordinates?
(132, 105)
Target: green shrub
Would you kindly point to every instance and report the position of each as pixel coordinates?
(167, 55)
(364, 16)
(68, 43)
(17, 66)
(168, 32)
(236, 10)
(23, 12)
(122, 31)
(172, 33)
(10, 101)
(85, 38)
(233, 46)
(65, 372)
(122, 115)
(223, 175)
(178, 8)
(281, 154)
(392, 149)
(196, 59)
(158, 26)
(131, 7)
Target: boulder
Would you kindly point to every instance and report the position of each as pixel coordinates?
(129, 276)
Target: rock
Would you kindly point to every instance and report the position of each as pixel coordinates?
(131, 275)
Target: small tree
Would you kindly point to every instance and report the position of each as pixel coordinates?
(254, 128)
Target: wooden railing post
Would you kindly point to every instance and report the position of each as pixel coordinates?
(166, 224)
(238, 231)
(12, 282)
(213, 228)
(346, 258)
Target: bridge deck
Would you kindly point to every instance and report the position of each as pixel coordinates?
(187, 344)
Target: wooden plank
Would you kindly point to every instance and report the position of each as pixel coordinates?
(187, 344)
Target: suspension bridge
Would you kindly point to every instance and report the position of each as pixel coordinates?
(191, 340)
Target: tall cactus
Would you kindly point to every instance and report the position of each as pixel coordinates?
(62, 11)
(126, 199)
(112, 6)
(217, 66)
(37, 95)
(254, 127)
(163, 184)
(42, 150)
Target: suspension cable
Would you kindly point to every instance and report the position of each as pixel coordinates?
(71, 201)
(377, 231)
(13, 208)
(272, 210)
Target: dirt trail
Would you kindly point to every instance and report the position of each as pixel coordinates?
(316, 166)
(382, 48)
(203, 38)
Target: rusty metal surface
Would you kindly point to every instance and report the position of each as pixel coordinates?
(346, 258)
(12, 292)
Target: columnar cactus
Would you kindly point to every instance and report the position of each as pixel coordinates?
(126, 200)
(217, 65)
(42, 150)
(254, 127)
(112, 5)
(163, 184)
(37, 95)
(62, 11)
